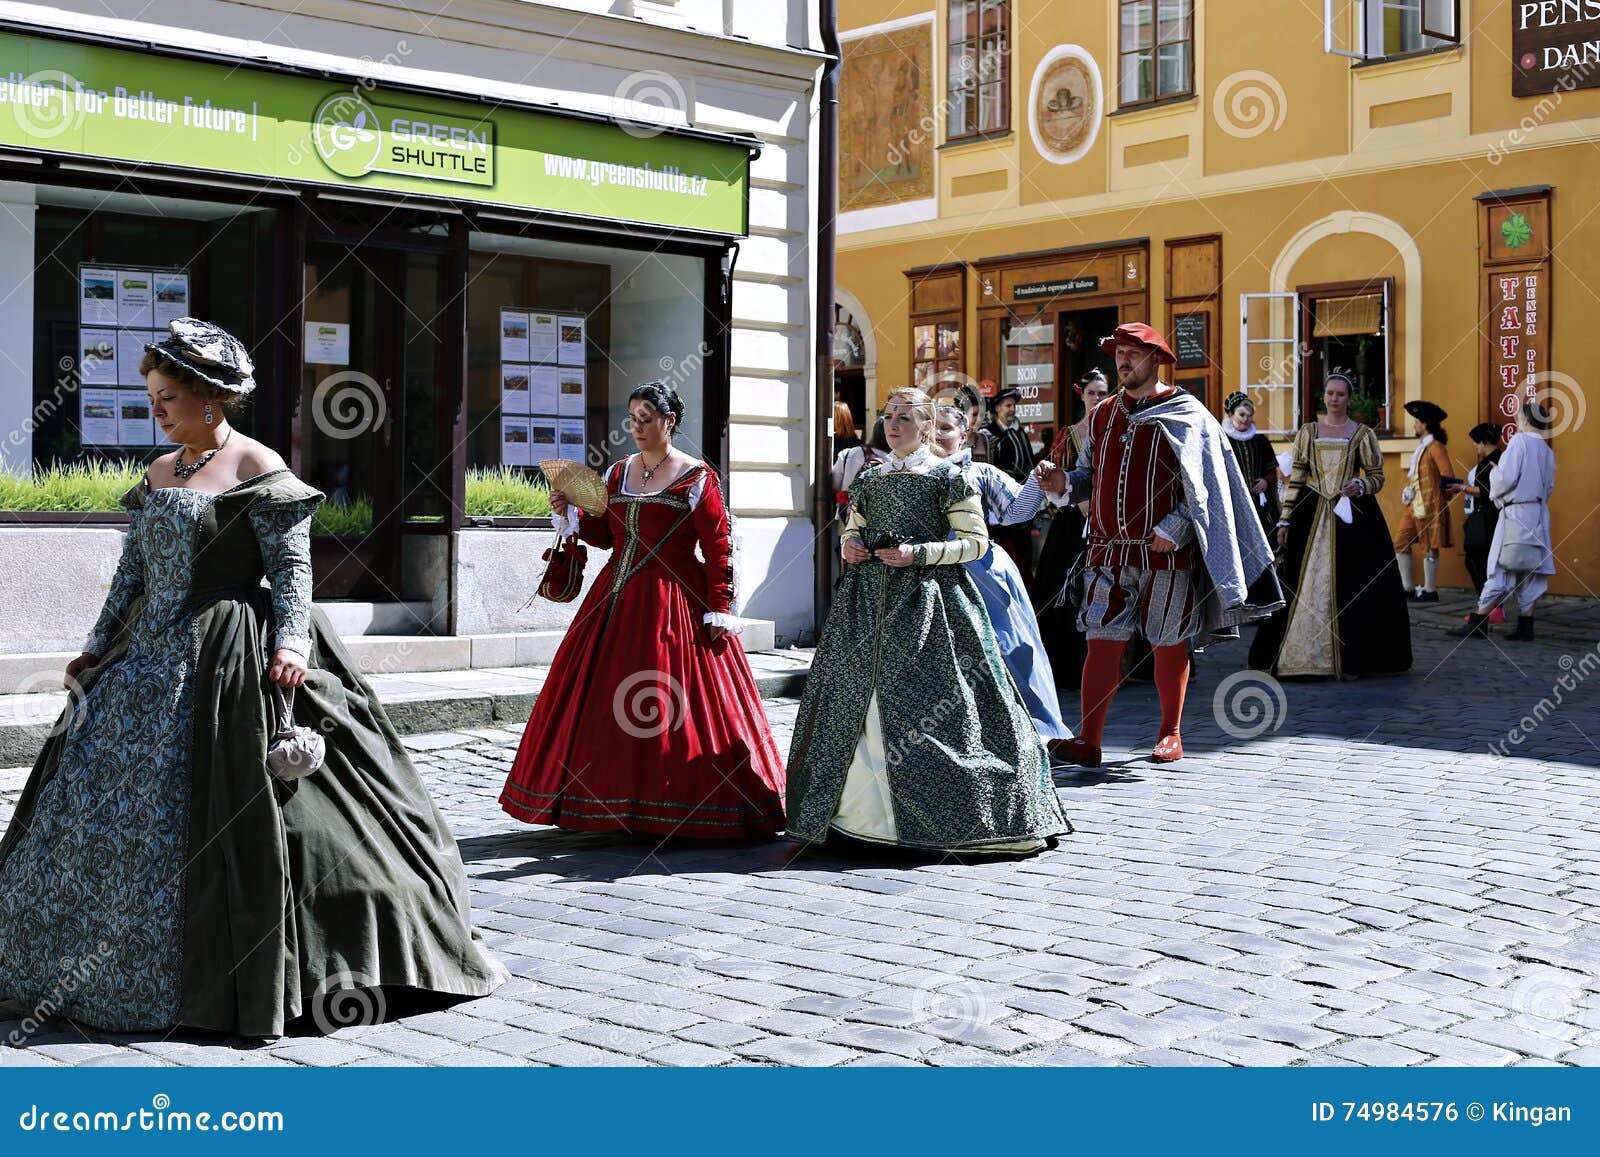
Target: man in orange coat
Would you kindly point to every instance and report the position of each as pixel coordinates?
(1427, 514)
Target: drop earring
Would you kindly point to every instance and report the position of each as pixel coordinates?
(210, 417)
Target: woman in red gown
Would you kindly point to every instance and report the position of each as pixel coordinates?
(650, 720)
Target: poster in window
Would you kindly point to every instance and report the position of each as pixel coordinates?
(571, 341)
(136, 298)
(172, 298)
(514, 389)
(97, 296)
(135, 427)
(542, 435)
(327, 343)
(130, 352)
(513, 336)
(97, 417)
(570, 433)
(572, 401)
(542, 337)
(97, 357)
(543, 390)
(514, 448)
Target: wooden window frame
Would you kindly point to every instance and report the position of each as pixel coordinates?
(1314, 373)
(1156, 43)
(950, 311)
(975, 91)
(944, 317)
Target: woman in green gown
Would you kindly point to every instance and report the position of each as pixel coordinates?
(155, 874)
(912, 732)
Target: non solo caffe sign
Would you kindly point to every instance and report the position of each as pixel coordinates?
(139, 108)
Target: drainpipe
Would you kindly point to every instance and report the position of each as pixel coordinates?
(827, 209)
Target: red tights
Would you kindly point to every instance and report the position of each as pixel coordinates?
(1102, 673)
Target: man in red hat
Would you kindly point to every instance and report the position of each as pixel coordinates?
(1175, 545)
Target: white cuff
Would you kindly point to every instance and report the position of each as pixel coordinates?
(566, 524)
(300, 646)
(1057, 500)
(718, 619)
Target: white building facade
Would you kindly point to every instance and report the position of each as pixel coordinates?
(455, 235)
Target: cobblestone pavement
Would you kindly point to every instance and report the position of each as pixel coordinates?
(1363, 881)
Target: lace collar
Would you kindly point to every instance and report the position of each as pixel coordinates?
(919, 461)
(1236, 435)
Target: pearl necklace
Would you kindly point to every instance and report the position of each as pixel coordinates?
(183, 471)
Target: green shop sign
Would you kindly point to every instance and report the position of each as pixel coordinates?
(124, 105)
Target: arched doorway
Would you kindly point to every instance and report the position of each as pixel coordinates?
(855, 362)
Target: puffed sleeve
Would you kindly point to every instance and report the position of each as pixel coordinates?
(1370, 454)
(283, 532)
(127, 584)
(1024, 503)
(964, 512)
(1303, 447)
(716, 545)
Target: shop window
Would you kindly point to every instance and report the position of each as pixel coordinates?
(1387, 28)
(1155, 51)
(978, 80)
(1347, 328)
(935, 353)
(559, 334)
(110, 269)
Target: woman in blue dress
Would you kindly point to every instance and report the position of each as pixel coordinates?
(1005, 595)
(155, 873)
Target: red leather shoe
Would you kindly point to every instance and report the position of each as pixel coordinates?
(1075, 750)
(1169, 749)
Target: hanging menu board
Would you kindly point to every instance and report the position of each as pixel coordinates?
(1030, 366)
(120, 311)
(543, 385)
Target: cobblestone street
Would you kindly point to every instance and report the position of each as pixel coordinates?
(1366, 882)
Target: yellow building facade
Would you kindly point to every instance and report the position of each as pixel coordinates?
(1403, 189)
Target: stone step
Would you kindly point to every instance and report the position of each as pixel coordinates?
(417, 701)
(392, 617)
(380, 654)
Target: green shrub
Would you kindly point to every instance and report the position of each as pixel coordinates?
(93, 485)
(504, 492)
(353, 520)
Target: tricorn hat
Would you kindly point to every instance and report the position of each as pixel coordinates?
(1427, 412)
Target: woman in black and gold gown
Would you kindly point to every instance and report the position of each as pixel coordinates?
(155, 874)
(1346, 614)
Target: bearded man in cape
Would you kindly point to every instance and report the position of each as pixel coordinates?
(1176, 551)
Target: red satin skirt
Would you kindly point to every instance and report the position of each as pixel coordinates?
(644, 725)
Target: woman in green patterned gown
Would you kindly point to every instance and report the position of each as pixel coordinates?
(912, 732)
(155, 874)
